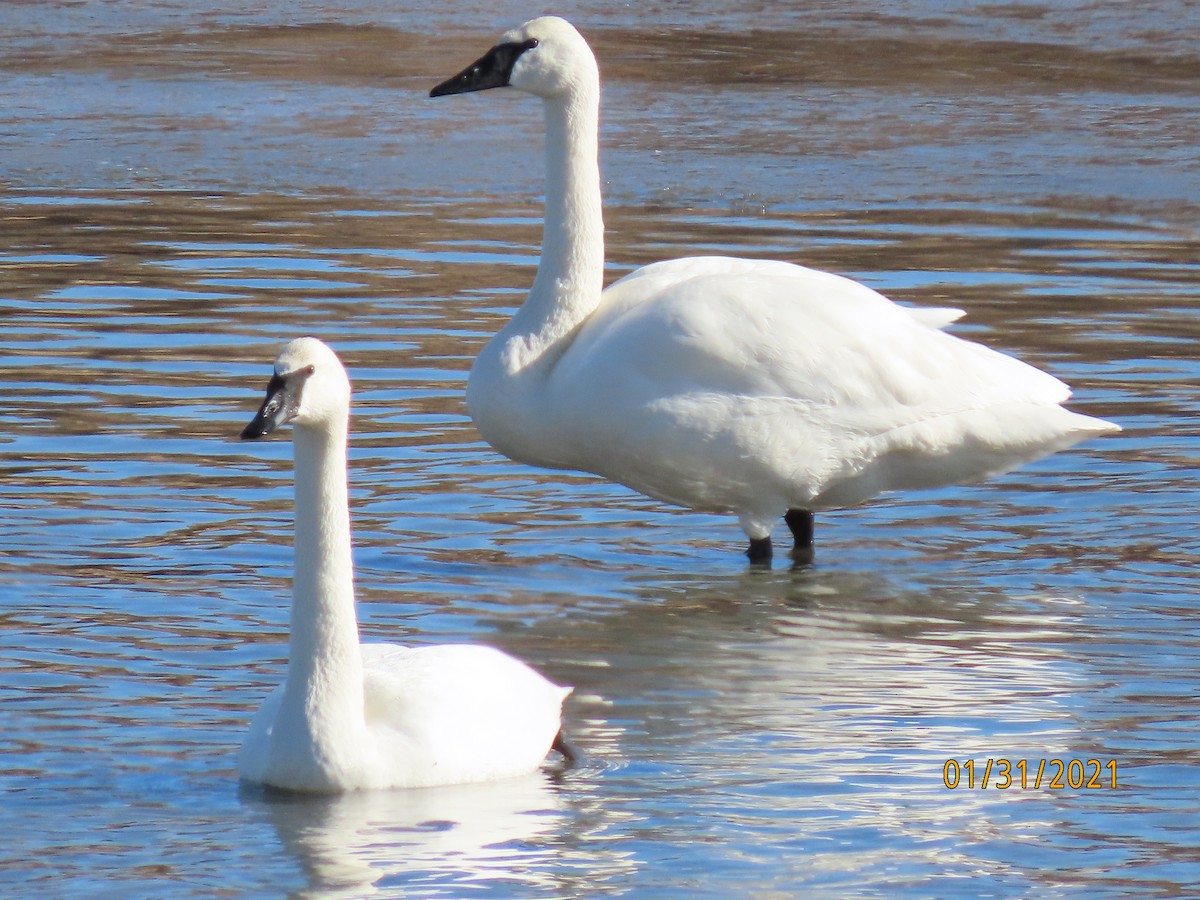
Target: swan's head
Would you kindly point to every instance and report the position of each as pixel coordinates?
(309, 388)
(545, 56)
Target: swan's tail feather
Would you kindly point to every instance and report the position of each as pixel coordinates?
(935, 317)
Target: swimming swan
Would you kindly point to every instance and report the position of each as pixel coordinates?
(348, 715)
(730, 385)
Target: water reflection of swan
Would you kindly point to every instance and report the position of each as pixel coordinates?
(731, 385)
(796, 716)
(352, 716)
(362, 842)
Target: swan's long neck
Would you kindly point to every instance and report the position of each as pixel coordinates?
(324, 692)
(570, 273)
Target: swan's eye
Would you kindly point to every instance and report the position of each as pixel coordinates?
(310, 369)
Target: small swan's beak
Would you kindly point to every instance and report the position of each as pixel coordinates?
(492, 70)
(277, 409)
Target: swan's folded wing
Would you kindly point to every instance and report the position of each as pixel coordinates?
(697, 378)
(466, 709)
(766, 329)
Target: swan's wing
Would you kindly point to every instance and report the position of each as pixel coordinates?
(696, 378)
(462, 708)
(771, 329)
(464, 675)
(658, 277)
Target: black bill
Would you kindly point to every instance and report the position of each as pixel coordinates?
(492, 70)
(277, 409)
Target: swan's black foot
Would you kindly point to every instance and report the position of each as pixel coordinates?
(800, 523)
(760, 551)
(570, 757)
(802, 557)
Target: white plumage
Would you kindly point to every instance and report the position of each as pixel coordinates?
(730, 385)
(356, 716)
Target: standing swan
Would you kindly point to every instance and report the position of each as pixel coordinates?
(352, 716)
(754, 387)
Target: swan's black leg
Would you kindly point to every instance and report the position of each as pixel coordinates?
(760, 551)
(560, 744)
(800, 523)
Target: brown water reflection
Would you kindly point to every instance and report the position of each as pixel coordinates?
(822, 102)
(366, 53)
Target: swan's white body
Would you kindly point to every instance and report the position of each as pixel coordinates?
(734, 385)
(355, 716)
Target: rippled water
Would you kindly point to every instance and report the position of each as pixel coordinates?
(184, 189)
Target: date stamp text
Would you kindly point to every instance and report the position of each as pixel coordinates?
(1030, 774)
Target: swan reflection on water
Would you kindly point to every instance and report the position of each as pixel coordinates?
(351, 844)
